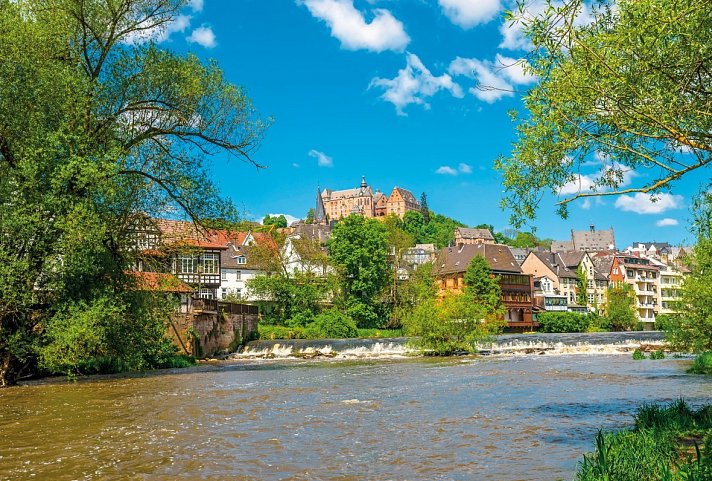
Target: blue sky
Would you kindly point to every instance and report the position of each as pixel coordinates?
(387, 89)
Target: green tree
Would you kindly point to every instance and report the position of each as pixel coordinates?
(359, 252)
(424, 211)
(691, 329)
(629, 89)
(98, 127)
(439, 231)
(524, 239)
(413, 223)
(311, 214)
(581, 286)
(481, 287)
(621, 314)
(278, 221)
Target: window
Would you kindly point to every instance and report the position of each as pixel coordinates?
(210, 263)
(223, 293)
(238, 275)
(223, 274)
(590, 298)
(590, 284)
(241, 260)
(631, 274)
(187, 264)
(206, 293)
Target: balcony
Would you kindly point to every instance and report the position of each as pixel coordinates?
(646, 305)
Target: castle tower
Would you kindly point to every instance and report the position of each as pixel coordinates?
(320, 211)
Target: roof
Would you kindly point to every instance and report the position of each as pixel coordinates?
(659, 246)
(474, 233)
(593, 239)
(603, 263)
(320, 232)
(347, 193)
(562, 246)
(571, 259)
(426, 247)
(456, 259)
(554, 262)
(159, 282)
(186, 233)
(407, 195)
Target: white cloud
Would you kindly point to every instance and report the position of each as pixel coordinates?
(350, 27)
(464, 168)
(446, 170)
(667, 221)
(494, 79)
(322, 159)
(295, 165)
(413, 84)
(586, 204)
(160, 33)
(641, 203)
(203, 36)
(468, 13)
(196, 5)
(580, 183)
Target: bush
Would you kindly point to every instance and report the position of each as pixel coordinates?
(301, 319)
(365, 315)
(657, 355)
(638, 355)
(702, 364)
(271, 333)
(333, 323)
(564, 321)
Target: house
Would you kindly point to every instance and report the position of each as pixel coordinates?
(586, 241)
(562, 268)
(304, 249)
(419, 255)
(464, 235)
(546, 297)
(517, 287)
(644, 277)
(401, 201)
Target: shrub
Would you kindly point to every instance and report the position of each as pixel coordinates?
(333, 323)
(271, 333)
(564, 321)
(364, 314)
(638, 355)
(301, 319)
(702, 364)
(657, 355)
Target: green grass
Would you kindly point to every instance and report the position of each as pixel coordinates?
(376, 333)
(670, 443)
(702, 364)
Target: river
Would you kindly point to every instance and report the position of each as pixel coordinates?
(502, 417)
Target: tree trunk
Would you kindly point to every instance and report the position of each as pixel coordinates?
(8, 369)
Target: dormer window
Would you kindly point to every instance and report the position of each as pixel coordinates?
(241, 260)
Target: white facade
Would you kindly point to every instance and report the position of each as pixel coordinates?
(233, 282)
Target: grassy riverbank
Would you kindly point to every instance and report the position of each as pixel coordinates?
(668, 443)
(271, 333)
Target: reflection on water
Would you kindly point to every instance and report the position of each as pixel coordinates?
(498, 418)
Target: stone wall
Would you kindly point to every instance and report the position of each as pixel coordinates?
(206, 333)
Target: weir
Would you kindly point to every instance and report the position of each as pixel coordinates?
(505, 344)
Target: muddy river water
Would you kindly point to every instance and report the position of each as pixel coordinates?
(504, 417)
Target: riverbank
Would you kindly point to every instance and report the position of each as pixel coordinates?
(667, 443)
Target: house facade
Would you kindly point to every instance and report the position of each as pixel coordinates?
(644, 277)
(516, 286)
(464, 235)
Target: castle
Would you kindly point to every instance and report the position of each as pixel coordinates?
(335, 204)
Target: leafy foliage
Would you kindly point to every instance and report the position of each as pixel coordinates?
(98, 127)
(609, 91)
(359, 251)
(334, 324)
(481, 287)
(621, 314)
(278, 221)
(565, 321)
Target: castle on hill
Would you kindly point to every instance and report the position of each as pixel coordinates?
(335, 204)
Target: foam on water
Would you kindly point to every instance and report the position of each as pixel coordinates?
(507, 344)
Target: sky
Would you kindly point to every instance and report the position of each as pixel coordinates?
(388, 89)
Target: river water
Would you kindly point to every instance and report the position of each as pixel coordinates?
(502, 417)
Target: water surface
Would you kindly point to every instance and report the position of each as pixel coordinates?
(525, 417)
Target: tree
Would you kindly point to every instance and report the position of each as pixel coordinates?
(311, 213)
(425, 212)
(98, 127)
(691, 329)
(581, 286)
(359, 251)
(629, 90)
(279, 221)
(413, 223)
(481, 287)
(621, 314)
